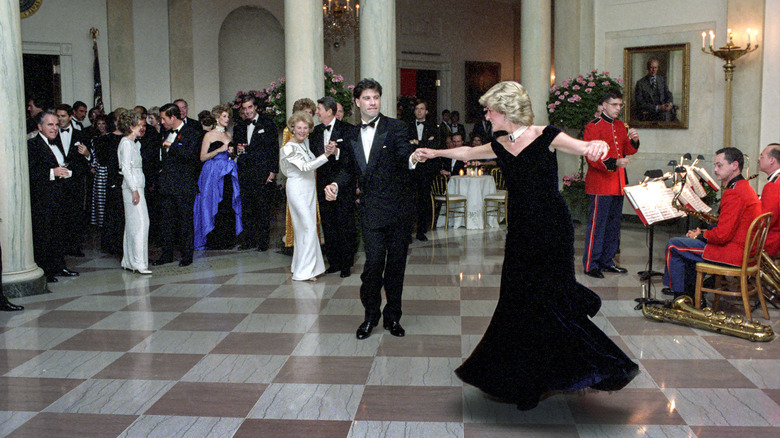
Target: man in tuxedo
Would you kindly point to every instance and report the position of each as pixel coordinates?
(184, 109)
(79, 114)
(451, 166)
(34, 109)
(424, 135)
(258, 164)
(48, 174)
(381, 159)
(769, 163)
(177, 184)
(484, 130)
(338, 217)
(653, 98)
(455, 126)
(77, 156)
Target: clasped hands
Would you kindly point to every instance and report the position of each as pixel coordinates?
(331, 148)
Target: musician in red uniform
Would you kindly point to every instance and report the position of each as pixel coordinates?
(725, 242)
(769, 163)
(604, 184)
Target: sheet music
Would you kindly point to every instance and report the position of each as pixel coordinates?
(707, 178)
(692, 200)
(692, 180)
(653, 202)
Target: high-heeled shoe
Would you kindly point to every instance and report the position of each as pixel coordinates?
(144, 271)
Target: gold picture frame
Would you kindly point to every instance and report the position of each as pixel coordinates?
(665, 103)
(29, 7)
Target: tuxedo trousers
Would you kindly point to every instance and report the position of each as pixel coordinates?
(386, 250)
(339, 231)
(47, 238)
(256, 214)
(422, 201)
(112, 233)
(177, 225)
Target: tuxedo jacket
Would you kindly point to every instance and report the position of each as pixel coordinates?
(430, 139)
(77, 163)
(261, 155)
(485, 133)
(327, 173)
(770, 203)
(445, 130)
(45, 193)
(385, 181)
(647, 98)
(180, 163)
(739, 205)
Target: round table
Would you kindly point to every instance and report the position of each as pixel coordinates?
(474, 188)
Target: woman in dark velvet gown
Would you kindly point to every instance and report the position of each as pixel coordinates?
(540, 338)
(217, 210)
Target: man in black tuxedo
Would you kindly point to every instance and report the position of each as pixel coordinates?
(455, 126)
(258, 164)
(35, 107)
(424, 135)
(453, 166)
(484, 130)
(177, 184)
(48, 174)
(77, 156)
(338, 217)
(381, 161)
(184, 110)
(79, 114)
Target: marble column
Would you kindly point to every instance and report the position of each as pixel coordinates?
(121, 57)
(303, 51)
(535, 46)
(21, 277)
(181, 50)
(377, 49)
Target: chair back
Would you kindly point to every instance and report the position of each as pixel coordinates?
(498, 176)
(754, 243)
(439, 186)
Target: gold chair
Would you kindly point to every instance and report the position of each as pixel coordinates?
(495, 203)
(455, 204)
(750, 269)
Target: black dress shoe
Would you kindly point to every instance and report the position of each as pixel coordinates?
(667, 291)
(51, 279)
(333, 270)
(245, 246)
(262, 248)
(595, 273)
(422, 238)
(346, 272)
(7, 306)
(364, 330)
(395, 328)
(67, 273)
(616, 269)
(159, 262)
(185, 262)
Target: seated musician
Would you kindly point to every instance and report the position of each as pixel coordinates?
(725, 242)
(769, 163)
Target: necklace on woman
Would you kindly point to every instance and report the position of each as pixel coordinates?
(515, 135)
(219, 128)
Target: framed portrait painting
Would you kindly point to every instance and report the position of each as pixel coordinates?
(657, 81)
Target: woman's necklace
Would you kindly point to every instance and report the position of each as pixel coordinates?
(515, 135)
(219, 128)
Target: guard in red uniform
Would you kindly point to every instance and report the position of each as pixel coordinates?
(769, 163)
(604, 184)
(725, 242)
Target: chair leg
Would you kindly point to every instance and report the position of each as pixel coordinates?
(743, 286)
(447, 218)
(760, 293)
(699, 280)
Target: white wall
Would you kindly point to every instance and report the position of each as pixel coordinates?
(68, 22)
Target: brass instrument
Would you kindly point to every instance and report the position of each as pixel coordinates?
(770, 277)
(682, 312)
(709, 218)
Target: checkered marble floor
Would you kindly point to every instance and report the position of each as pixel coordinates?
(231, 347)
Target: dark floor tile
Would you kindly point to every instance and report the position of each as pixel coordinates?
(32, 394)
(291, 306)
(737, 348)
(10, 359)
(202, 399)
(431, 280)
(161, 304)
(60, 425)
(212, 279)
(421, 346)
(218, 322)
(48, 305)
(479, 293)
(411, 403)
(474, 325)
(252, 428)
(634, 326)
(243, 291)
(104, 340)
(150, 366)
(735, 432)
(68, 319)
(627, 406)
(336, 324)
(473, 430)
(347, 292)
(258, 343)
(707, 374)
(325, 370)
(132, 292)
(432, 307)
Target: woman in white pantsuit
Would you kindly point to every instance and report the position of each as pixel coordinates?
(298, 164)
(136, 239)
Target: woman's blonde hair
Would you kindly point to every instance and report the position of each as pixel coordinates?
(126, 120)
(299, 116)
(304, 104)
(511, 99)
(217, 111)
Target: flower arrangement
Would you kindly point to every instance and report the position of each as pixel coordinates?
(573, 193)
(240, 97)
(574, 103)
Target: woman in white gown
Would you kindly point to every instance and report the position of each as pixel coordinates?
(298, 164)
(136, 238)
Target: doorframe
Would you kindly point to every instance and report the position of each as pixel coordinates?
(64, 51)
(444, 69)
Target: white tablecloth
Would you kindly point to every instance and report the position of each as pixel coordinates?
(474, 188)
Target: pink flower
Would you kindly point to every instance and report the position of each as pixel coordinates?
(278, 95)
(591, 84)
(565, 93)
(579, 77)
(588, 90)
(565, 84)
(273, 84)
(350, 87)
(576, 87)
(571, 99)
(594, 71)
(338, 78)
(605, 83)
(620, 80)
(239, 94)
(333, 90)
(561, 97)
(282, 80)
(606, 73)
(278, 112)
(557, 92)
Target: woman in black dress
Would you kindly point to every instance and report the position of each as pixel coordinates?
(540, 338)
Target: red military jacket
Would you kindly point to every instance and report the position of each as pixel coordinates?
(604, 177)
(739, 205)
(770, 203)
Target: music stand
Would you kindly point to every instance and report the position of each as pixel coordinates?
(647, 275)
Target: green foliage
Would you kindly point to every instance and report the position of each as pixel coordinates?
(574, 103)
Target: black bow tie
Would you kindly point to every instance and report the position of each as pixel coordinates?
(174, 131)
(252, 122)
(327, 128)
(366, 125)
(420, 123)
(65, 130)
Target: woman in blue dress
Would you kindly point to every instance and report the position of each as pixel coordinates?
(540, 339)
(217, 210)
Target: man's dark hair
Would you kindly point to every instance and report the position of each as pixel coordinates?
(329, 103)
(250, 98)
(774, 151)
(455, 114)
(64, 107)
(445, 112)
(42, 114)
(79, 104)
(170, 110)
(421, 101)
(732, 154)
(144, 111)
(182, 101)
(611, 94)
(366, 84)
(206, 119)
(39, 102)
(458, 135)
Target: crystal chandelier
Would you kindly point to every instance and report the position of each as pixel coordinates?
(341, 19)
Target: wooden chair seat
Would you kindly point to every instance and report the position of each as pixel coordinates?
(455, 204)
(495, 203)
